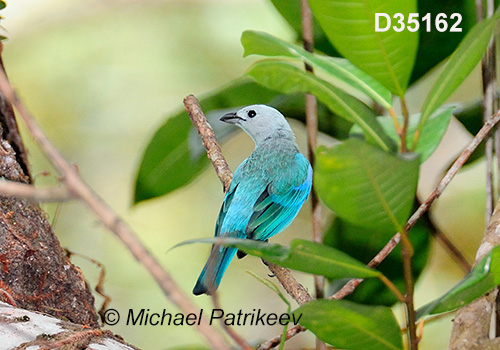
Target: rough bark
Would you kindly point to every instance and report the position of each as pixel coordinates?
(35, 273)
(471, 326)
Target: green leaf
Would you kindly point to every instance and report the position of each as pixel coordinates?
(432, 133)
(260, 43)
(306, 256)
(434, 46)
(461, 63)
(287, 78)
(363, 244)
(470, 115)
(347, 325)
(172, 159)
(366, 186)
(350, 25)
(482, 278)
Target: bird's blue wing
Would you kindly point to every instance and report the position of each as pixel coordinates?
(225, 206)
(281, 201)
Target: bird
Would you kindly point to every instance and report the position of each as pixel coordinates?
(266, 193)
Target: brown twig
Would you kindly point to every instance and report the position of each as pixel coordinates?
(99, 287)
(271, 343)
(242, 343)
(25, 191)
(296, 290)
(214, 152)
(312, 135)
(80, 189)
(490, 104)
(74, 338)
(452, 250)
(488, 72)
(7, 297)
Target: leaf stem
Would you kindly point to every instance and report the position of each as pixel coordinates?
(404, 129)
(395, 120)
(392, 287)
(407, 252)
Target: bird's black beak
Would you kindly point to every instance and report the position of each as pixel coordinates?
(231, 118)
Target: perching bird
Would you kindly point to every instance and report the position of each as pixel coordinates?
(267, 190)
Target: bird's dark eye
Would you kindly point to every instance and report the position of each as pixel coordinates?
(251, 113)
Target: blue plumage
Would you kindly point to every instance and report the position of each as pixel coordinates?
(266, 193)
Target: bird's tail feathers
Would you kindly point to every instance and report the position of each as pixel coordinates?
(214, 269)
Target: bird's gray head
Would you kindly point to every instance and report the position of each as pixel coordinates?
(261, 122)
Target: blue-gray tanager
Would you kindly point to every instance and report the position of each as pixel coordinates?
(267, 190)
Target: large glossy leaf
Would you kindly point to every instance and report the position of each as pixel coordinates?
(431, 135)
(260, 43)
(306, 256)
(350, 25)
(462, 61)
(434, 46)
(287, 78)
(482, 278)
(363, 244)
(347, 325)
(172, 159)
(366, 186)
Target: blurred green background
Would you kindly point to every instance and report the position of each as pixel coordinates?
(100, 76)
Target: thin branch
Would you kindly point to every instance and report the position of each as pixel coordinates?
(296, 290)
(312, 136)
(452, 250)
(271, 343)
(25, 191)
(229, 330)
(488, 72)
(490, 104)
(79, 188)
(457, 165)
(214, 152)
